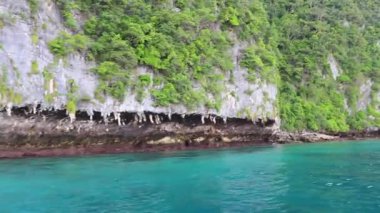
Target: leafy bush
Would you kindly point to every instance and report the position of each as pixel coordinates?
(6, 93)
(67, 7)
(141, 86)
(260, 62)
(166, 96)
(66, 44)
(114, 80)
(33, 5)
(34, 68)
(72, 98)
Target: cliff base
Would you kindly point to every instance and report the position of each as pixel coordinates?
(55, 135)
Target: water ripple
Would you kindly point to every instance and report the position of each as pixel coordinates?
(295, 178)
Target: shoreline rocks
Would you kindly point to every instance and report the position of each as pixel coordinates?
(41, 136)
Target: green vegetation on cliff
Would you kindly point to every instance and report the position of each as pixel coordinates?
(7, 95)
(311, 32)
(294, 44)
(183, 42)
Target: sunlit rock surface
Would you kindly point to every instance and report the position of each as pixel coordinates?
(25, 56)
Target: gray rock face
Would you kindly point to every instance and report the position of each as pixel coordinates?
(334, 66)
(365, 95)
(25, 55)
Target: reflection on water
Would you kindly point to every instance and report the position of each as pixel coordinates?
(292, 178)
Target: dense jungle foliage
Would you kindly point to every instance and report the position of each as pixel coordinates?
(188, 42)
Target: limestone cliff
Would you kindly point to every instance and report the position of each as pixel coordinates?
(315, 67)
(32, 76)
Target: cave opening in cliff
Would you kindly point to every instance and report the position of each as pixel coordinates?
(146, 118)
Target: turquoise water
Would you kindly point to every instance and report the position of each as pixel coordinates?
(342, 177)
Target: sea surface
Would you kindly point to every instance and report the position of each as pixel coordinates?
(323, 177)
